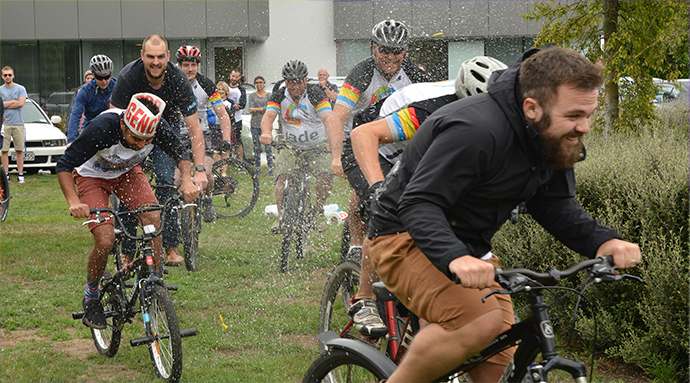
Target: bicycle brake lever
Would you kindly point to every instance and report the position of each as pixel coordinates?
(502, 291)
(99, 219)
(189, 205)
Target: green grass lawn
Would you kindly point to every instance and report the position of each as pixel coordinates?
(269, 320)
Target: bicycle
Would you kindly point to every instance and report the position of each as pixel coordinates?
(4, 195)
(297, 213)
(235, 187)
(352, 360)
(122, 300)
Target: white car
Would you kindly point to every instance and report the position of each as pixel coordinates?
(44, 142)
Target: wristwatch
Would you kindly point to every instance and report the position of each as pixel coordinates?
(200, 168)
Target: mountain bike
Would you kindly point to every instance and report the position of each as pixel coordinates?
(349, 360)
(297, 213)
(4, 195)
(235, 187)
(123, 300)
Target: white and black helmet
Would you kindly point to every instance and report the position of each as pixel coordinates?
(473, 76)
(295, 70)
(390, 33)
(101, 64)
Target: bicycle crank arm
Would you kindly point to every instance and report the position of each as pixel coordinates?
(147, 340)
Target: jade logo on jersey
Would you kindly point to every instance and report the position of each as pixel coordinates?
(303, 138)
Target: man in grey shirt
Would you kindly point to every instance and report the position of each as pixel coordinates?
(13, 98)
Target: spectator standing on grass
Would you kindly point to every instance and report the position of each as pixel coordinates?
(258, 101)
(13, 99)
(239, 96)
(154, 73)
(93, 97)
(327, 86)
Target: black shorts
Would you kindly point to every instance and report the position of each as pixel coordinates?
(237, 129)
(354, 174)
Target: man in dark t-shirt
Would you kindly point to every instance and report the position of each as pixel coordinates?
(154, 73)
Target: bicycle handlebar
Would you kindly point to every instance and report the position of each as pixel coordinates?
(314, 149)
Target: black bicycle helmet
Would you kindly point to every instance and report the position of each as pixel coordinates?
(188, 53)
(390, 33)
(101, 65)
(295, 70)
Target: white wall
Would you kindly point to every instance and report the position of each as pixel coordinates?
(300, 30)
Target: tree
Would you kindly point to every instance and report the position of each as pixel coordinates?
(637, 40)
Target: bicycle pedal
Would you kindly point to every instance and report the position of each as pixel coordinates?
(188, 332)
(78, 315)
(171, 287)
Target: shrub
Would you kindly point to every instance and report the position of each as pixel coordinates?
(638, 185)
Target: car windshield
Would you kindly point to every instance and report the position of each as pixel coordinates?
(33, 115)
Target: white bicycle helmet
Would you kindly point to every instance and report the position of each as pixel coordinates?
(390, 33)
(473, 76)
(101, 65)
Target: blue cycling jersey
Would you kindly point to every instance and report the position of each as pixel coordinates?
(90, 101)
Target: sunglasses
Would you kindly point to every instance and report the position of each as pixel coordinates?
(106, 77)
(7, 75)
(388, 50)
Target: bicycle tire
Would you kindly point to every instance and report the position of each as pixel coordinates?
(4, 196)
(345, 241)
(190, 227)
(166, 348)
(235, 188)
(288, 218)
(304, 222)
(340, 366)
(340, 287)
(107, 341)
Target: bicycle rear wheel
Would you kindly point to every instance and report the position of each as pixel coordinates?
(341, 286)
(339, 366)
(4, 195)
(235, 188)
(288, 221)
(303, 223)
(190, 227)
(107, 341)
(162, 326)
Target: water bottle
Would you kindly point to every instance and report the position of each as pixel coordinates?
(334, 215)
(271, 211)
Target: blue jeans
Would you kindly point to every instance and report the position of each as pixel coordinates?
(164, 171)
(256, 132)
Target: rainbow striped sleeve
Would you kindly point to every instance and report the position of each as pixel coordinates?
(348, 96)
(215, 99)
(403, 124)
(273, 106)
(323, 106)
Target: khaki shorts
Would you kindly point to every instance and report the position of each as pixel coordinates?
(16, 134)
(321, 163)
(131, 188)
(409, 274)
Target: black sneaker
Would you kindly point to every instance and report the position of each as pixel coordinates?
(94, 316)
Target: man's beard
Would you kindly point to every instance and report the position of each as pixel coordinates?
(149, 74)
(552, 148)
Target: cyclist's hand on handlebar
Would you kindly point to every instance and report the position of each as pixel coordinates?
(189, 191)
(625, 254)
(472, 272)
(266, 138)
(80, 210)
(201, 180)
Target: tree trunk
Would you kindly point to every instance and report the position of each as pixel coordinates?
(611, 87)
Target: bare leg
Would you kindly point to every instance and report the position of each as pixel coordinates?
(357, 226)
(368, 275)
(280, 187)
(20, 161)
(6, 162)
(103, 239)
(436, 351)
(323, 187)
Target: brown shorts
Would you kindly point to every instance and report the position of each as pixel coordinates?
(409, 274)
(131, 188)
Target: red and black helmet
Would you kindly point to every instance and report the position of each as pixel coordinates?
(188, 53)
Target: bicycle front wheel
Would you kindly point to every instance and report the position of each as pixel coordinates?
(235, 187)
(190, 227)
(339, 366)
(288, 221)
(162, 326)
(107, 341)
(341, 286)
(303, 223)
(4, 195)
